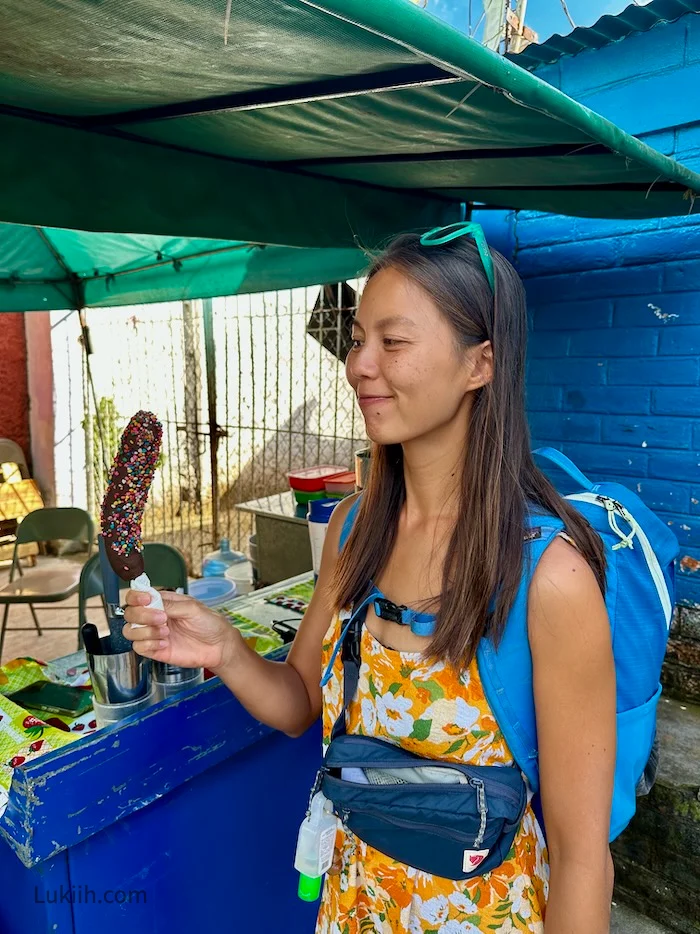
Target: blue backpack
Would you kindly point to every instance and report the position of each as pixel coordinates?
(640, 551)
(640, 594)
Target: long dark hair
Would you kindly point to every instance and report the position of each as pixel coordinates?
(499, 480)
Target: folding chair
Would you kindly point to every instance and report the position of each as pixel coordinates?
(55, 580)
(12, 453)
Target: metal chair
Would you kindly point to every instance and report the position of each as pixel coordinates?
(164, 565)
(58, 579)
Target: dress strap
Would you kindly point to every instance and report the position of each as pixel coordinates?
(349, 523)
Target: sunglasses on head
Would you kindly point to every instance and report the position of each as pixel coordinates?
(439, 235)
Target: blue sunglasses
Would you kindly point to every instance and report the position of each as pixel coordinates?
(440, 235)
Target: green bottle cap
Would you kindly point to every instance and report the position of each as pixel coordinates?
(309, 887)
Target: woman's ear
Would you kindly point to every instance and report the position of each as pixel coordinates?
(482, 366)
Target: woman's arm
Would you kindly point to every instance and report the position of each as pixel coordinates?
(285, 695)
(574, 685)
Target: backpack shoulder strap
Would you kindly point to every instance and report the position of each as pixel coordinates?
(506, 670)
(349, 523)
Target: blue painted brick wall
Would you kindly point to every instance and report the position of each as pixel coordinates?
(614, 359)
(614, 352)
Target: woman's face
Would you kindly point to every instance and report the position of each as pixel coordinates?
(409, 375)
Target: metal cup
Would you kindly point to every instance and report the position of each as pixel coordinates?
(171, 679)
(113, 713)
(119, 678)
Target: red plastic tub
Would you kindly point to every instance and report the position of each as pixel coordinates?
(313, 479)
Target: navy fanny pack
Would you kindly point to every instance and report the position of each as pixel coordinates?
(443, 817)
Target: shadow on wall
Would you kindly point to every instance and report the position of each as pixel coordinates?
(297, 443)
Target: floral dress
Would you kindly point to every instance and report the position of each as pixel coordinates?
(431, 710)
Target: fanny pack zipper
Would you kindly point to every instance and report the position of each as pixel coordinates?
(456, 835)
(508, 794)
(473, 782)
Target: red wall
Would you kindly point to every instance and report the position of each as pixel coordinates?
(14, 395)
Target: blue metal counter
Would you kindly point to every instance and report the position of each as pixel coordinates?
(182, 818)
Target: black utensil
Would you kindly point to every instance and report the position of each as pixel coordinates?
(91, 639)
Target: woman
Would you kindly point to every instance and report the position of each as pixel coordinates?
(437, 364)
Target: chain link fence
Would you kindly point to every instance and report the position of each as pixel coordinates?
(244, 391)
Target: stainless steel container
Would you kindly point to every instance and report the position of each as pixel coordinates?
(113, 713)
(171, 679)
(119, 678)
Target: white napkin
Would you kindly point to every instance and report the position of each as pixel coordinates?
(143, 584)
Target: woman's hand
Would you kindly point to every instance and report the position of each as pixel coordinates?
(185, 633)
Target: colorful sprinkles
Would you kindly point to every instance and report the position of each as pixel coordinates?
(129, 483)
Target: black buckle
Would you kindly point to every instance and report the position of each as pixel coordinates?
(351, 644)
(385, 609)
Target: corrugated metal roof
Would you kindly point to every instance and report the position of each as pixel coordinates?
(608, 29)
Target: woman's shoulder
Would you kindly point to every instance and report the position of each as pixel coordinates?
(564, 598)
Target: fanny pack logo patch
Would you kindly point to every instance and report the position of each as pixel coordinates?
(473, 858)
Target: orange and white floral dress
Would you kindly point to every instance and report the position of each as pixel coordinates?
(431, 710)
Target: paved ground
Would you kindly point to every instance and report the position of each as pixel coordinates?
(679, 736)
(625, 921)
(50, 644)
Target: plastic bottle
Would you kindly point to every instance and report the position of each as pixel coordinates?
(319, 515)
(315, 846)
(231, 564)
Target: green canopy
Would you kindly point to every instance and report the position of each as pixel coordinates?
(321, 127)
(305, 123)
(46, 268)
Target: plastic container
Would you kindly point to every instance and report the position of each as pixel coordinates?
(231, 564)
(341, 485)
(241, 574)
(315, 845)
(223, 555)
(213, 591)
(319, 514)
(312, 479)
(305, 498)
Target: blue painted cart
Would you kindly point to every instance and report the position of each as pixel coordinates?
(183, 818)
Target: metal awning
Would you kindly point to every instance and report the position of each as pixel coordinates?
(607, 30)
